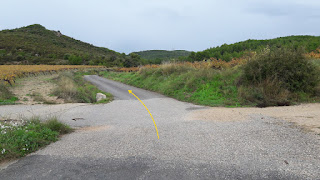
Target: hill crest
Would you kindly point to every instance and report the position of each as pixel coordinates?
(34, 44)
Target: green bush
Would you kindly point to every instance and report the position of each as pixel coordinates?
(288, 66)
(75, 60)
(277, 77)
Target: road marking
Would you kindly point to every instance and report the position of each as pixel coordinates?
(130, 92)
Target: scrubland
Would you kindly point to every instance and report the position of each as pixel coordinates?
(272, 77)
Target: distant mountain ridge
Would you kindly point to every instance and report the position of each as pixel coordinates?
(35, 44)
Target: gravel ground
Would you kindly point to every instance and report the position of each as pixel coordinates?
(41, 86)
(118, 141)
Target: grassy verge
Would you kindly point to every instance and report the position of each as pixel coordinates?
(6, 97)
(20, 138)
(73, 88)
(200, 86)
(234, 87)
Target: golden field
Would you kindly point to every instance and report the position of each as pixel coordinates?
(9, 73)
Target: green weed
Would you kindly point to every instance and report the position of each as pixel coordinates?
(18, 139)
(57, 126)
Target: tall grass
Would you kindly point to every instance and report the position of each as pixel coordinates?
(73, 88)
(67, 88)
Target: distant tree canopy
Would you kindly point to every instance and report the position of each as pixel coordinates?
(35, 44)
(240, 49)
(157, 56)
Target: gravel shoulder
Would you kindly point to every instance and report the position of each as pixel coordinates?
(306, 116)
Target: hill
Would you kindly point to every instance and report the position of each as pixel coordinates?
(227, 52)
(35, 44)
(156, 56)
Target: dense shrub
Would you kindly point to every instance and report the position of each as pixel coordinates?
(289, 66)
(270, 77)
(267, 93)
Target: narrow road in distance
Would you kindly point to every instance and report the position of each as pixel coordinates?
(118, 141)
(120, 90)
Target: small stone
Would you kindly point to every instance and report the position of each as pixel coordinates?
(100, 97)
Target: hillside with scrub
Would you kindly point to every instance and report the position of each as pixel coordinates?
(229, 52)
(35, 44)
(247, 48)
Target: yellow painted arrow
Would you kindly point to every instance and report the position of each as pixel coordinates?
(130, 92)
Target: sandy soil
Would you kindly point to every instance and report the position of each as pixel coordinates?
(35, 90)
(305, 115)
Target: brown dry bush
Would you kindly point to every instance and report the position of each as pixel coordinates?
(267, 93)
(67, 88)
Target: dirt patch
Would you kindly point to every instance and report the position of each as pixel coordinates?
(4, 164)
(219, 114)
(94, 128)
(35, 90)
(306, 115)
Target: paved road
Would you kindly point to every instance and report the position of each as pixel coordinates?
(118, 141)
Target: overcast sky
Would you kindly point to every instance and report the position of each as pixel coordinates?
(135, 25)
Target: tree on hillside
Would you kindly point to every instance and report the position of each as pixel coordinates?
(75, 60)
(132, 60)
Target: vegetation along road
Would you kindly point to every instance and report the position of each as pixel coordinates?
(118, 141)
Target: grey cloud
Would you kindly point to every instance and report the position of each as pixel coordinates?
(133, 25)
(284, 9)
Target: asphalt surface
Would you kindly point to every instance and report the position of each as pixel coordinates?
(118, 141)
(120, 90)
